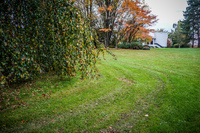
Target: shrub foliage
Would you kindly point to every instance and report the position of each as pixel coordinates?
(42, 36)
(131, 45)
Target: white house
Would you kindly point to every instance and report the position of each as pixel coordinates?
(159, 39)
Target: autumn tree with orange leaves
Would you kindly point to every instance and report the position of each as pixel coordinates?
(108, 10)
(118, 20)
(137, 25)
(130, 20)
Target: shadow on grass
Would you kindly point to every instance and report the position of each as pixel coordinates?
(44, 85)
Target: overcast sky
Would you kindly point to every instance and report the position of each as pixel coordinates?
(168, 12)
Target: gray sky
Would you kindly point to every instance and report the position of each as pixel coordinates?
(168, 12)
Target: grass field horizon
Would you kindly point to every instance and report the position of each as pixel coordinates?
(155, 90)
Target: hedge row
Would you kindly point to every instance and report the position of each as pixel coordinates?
(131, 45)
(42, 36)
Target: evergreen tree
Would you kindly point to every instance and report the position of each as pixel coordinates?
(191, 24)
(178, 36)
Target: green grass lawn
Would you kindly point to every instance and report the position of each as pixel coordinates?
(141, 91)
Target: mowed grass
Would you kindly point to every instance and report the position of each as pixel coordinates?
(141, 91)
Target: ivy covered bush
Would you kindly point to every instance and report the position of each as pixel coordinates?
(39, 36)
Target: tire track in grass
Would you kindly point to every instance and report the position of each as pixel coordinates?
(107, 100)
(107, 97)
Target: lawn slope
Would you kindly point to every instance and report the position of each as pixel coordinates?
(141, 91)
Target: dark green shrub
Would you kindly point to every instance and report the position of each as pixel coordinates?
(111, 46)
(131, 45)
(176, 45)
(124, 45)
(136, 45)
(146, 47)
(181, 46)
(186, 46)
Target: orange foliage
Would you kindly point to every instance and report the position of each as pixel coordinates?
(105, 8)
(105, 30)
(143, 34)
(101, 9)
(110, 8)
(141, 18)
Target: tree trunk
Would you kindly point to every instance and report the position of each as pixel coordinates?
(90, 12)
(198, 39)
(116, 41)
(107, 27)
(107, 40)
(179, 41)
(193, 38)
(87, 9)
